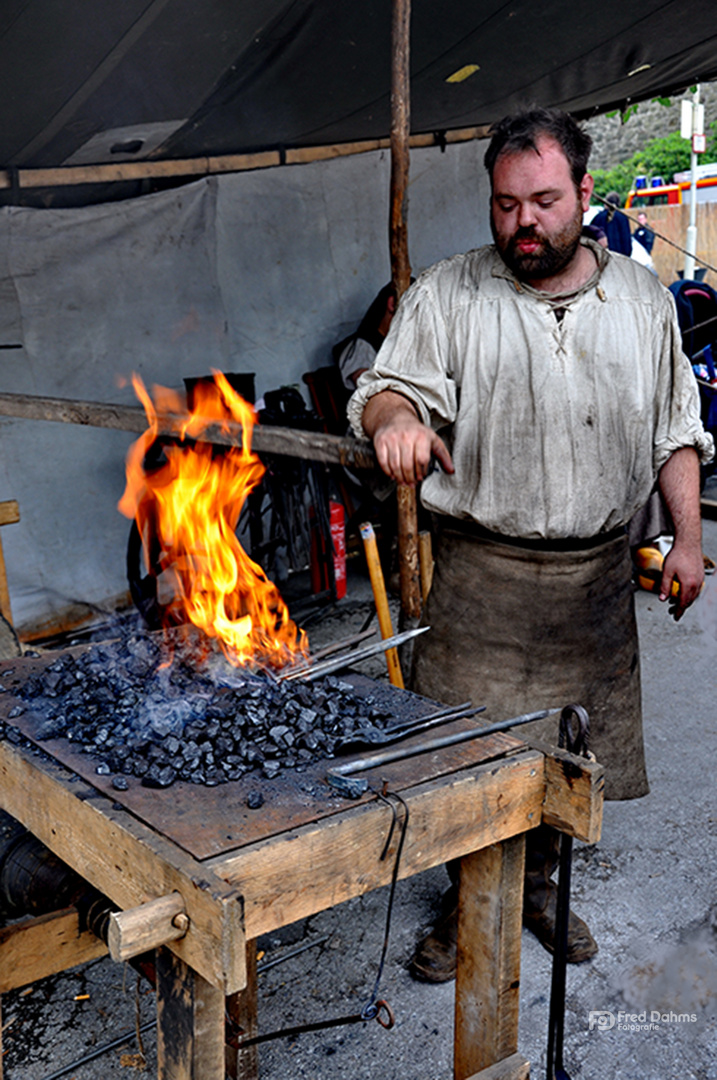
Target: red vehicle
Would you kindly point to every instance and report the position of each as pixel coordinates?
(672, 194)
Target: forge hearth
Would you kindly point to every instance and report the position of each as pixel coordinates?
(201, 722)
(239, 873)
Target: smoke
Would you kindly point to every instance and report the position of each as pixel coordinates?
(679, 978)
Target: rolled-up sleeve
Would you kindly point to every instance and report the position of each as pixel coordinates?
(414, 361)
(678, 420)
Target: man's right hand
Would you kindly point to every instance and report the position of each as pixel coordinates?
(404, 445)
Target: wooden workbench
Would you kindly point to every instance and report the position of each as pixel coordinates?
(240, 873)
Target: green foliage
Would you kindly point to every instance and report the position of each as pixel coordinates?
(659, 157)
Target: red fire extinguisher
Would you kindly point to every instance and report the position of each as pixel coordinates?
(337, 531)
(338, 540)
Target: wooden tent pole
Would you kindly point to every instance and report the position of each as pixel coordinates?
(401, 276)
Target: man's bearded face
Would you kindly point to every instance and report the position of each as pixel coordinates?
(536, 211)
(535, 252)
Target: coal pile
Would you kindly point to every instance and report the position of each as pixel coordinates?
(123, 704)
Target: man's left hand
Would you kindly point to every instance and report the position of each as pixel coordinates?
(684, 565)
(680, 486)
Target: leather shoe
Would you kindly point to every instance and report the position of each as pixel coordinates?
(581, 944)
(435, 958)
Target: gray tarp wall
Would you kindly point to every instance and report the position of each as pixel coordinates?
(255, 272)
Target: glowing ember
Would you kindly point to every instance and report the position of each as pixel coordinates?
(187, 511)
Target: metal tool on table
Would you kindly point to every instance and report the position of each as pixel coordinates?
(317, 671)
(574, 737)
(343, 780)
(365, 737)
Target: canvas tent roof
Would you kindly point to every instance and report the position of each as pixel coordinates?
(160, 79)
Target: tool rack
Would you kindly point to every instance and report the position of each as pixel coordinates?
(199, 878)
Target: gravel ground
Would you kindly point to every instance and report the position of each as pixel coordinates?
(647, 890)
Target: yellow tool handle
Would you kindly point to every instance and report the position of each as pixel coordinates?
(650, 580)
(379, 594)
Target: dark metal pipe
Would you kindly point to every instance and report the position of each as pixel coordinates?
(33, 881)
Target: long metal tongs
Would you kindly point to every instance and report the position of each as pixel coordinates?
(342, 779)
(363, 738)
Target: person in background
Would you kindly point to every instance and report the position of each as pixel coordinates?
(356, 354)
(593, 233)
(643, 234)
(545, 377)
(615, 225)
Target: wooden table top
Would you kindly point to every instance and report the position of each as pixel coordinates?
(209, 821)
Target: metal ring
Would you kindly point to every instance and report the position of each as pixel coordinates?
(390, 1020)
(575, 741)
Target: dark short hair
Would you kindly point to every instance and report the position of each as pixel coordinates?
(515, 134)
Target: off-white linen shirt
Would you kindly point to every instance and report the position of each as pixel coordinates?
(557, 428)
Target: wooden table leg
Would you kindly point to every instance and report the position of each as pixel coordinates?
(241, 1012)
(190, 1023)
(490, 916)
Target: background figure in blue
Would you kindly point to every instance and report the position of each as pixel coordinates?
(617, 230)
(642, 233)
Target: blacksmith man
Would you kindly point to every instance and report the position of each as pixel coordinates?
(554, 372)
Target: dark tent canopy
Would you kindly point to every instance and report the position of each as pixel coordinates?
(160, 79)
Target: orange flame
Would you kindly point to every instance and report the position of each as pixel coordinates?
(187, 511)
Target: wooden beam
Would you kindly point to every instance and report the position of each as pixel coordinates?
(146, 927)
(515, 1067)
(480, 806)
(574, 789)
(211, 165)
(490, 917)
(35, 948)
(357, 453)
(126, 861)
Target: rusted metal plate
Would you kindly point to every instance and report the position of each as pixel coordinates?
(210, 821)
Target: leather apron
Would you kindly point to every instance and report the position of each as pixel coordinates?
(519, 628)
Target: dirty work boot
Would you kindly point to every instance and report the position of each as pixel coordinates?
(540, 897)
(435, 957)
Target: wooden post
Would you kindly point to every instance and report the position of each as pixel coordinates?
(241, 1009)
(190, 1023)
(425, 551)
(401, 276)
(490, 911)
(400, 150)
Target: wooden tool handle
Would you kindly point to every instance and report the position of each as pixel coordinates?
(379, 594)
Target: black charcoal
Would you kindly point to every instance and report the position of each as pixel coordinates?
(141, 717)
